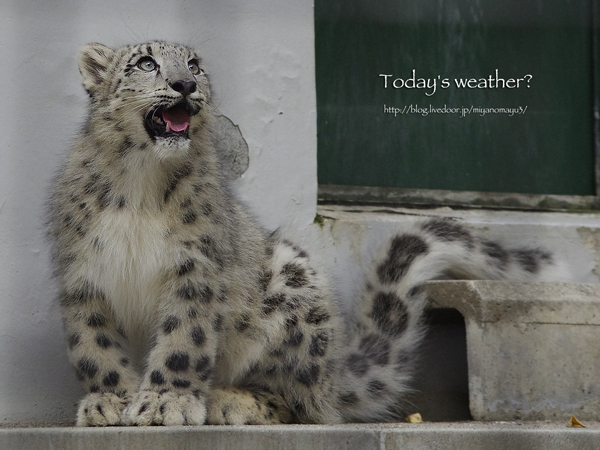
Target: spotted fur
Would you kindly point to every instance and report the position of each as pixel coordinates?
(179, 309)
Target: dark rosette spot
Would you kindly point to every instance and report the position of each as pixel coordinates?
(272, 302)
(181, 383)
(187, 291)
(375, 387)
(175, 178)
(171, 324)
(376, 349)
(277, 353)
(403, 251)
(198, 335)
(189, 217)
(96, 320)
(243, 323)
(186, 267)
(156, 377)
(348, 398)
(447, 231)
(308, 376)
(217, 323)
(357, 364)
(291, 322)
(318, 344)
(125, 146)
(111, 379)
(85, 293)
(295, 338)
(390, 314)
(317, 315)
(295, 275)
(203, 367)
(265, 279)
(104, 195)
(499, 255)
(103, 341)
(292, 303)
(86, 367)
(208, 247)
(178, 362)
(222, 296)
(202, 364)
(191, 291)
(531, 259)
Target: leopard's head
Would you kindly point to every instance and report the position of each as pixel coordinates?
(157, 92)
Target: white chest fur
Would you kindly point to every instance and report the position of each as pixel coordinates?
(130, 254)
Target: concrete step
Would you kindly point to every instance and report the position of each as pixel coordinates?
(430, 436)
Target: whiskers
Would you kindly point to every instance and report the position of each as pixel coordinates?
(151, 102)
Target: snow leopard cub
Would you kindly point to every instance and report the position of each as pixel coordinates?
(179, 309)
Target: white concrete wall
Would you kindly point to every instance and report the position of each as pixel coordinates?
(260, 56)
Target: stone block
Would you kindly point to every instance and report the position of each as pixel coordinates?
(533, 349)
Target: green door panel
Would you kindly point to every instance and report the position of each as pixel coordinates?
(548, 149)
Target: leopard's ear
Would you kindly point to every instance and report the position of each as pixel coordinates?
(94, 61)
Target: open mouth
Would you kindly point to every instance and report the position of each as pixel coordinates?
(167, 122)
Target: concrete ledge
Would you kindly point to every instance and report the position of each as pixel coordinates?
(442, 436)
(532, 348)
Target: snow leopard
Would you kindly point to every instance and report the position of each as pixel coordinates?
(180, 309)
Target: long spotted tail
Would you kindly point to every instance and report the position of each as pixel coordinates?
(388, 321)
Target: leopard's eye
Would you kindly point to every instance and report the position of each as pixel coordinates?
(193, 66)
(147, 64)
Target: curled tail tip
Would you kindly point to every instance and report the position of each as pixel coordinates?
(441, 246)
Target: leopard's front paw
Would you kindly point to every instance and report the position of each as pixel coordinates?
(152, 408)
(100, 410)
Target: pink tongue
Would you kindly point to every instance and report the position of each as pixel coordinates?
(177, 118)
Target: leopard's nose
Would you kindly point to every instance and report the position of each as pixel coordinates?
(184, 87)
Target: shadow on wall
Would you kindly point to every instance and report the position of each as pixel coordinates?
(231, 147)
